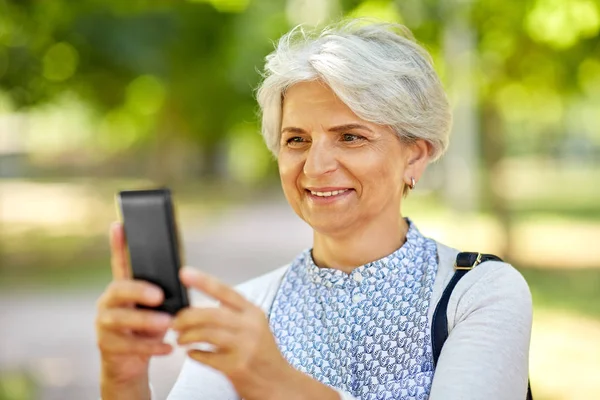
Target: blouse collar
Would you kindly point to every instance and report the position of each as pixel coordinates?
(370, 272)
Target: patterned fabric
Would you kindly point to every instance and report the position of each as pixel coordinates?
(366, 332)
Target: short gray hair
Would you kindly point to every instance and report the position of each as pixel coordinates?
(376, 69)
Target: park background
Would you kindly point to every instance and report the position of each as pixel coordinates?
(99, 96)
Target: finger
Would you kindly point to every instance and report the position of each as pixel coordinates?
(223, 339)
(120, 343)
(118, 262)
(211, 286)
(145, 321)
(216, 317)
(126, 292)
(209, 358)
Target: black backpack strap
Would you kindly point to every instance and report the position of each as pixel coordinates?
(439, 327)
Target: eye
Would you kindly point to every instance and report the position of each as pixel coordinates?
(350, 137)
(294, 140)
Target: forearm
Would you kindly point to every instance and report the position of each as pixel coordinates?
(300, 386)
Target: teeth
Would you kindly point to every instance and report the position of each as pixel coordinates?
(328, 194)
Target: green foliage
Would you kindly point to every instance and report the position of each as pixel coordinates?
(154, 70)
(148, 68)
(16, 385)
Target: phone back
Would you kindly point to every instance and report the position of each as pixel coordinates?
(152, 240)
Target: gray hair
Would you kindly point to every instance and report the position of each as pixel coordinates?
(376, 69)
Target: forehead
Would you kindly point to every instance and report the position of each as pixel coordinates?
(311, 100)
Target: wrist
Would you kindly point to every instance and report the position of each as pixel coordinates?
(112, 388)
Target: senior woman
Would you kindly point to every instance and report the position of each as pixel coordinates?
(354, 115)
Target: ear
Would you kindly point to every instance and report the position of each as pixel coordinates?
(418, 159)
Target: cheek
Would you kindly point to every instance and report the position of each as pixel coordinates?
(378, 173)
(288, 172)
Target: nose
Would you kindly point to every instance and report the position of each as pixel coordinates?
(320, 159)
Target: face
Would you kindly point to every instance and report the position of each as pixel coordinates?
(340, 173)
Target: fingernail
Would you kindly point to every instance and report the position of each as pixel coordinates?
(191, 272)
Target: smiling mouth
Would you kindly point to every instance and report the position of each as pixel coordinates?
(327, 194)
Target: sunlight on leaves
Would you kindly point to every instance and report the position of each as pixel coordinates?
(562, 23)
(378, 9)
(145, 94)
(520, 103)
(229, 6)
(119, 130)
(60, 62)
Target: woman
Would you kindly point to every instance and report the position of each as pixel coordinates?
(354, 115)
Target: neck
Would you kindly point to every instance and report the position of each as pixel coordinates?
(361, 246)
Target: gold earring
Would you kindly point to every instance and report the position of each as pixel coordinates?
(412, 183)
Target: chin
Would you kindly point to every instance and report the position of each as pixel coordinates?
(328, 226)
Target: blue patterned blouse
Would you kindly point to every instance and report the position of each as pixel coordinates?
(366, 332)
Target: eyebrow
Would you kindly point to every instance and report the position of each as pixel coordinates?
(338, 128)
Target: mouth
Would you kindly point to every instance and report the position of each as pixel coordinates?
(330, 193)
(327, 195)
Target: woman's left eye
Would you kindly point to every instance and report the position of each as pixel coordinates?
(349, 137)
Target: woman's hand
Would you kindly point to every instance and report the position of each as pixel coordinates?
(245, 349)
(128, 337)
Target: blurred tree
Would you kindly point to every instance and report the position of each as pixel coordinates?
(528, 77)
(169, 75)
(536, 62)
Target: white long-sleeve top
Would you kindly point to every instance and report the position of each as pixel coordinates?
(486, 353)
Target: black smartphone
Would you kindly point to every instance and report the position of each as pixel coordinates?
(153, 243)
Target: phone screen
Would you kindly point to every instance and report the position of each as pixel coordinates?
(153, 243)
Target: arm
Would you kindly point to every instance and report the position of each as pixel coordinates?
(486, 355)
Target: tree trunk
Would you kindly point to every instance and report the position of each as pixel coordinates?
(493, 150)
(174, 157)
(461, 160)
